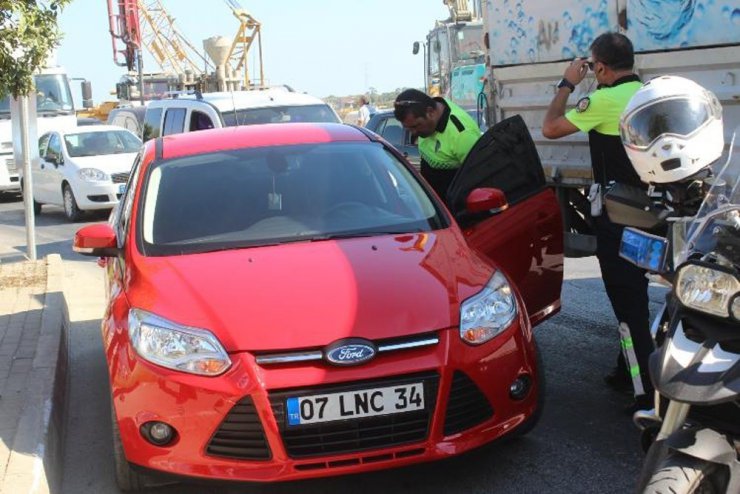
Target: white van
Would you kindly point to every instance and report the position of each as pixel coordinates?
(195, 111)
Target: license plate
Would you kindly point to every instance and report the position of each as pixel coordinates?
(121, 188)
(355, 404)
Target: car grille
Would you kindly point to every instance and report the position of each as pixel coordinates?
(467, 405)
(349, 436)
(119, 178)
(240, 435)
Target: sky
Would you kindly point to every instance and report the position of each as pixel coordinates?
(322, 47)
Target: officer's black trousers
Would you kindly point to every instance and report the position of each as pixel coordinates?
(440, 179)
(627, 289)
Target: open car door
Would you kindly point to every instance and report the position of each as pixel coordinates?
(525, 238)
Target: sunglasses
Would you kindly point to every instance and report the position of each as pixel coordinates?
(591, 65)
(406, 102)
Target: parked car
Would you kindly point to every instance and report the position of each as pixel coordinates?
(196, 111)
(292, 300)
(85, 121)
(83, 169)
(131, 118)
(385, 124)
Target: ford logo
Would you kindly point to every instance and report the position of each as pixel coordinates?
(350, 351)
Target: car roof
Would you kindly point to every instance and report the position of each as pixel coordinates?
(255, 136)
(227, 101)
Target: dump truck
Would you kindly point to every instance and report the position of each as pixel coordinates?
(528, 45)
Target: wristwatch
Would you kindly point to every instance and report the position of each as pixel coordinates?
(566, 83)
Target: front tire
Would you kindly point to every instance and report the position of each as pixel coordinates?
(71, 210)
(681, 474)
(127, 478)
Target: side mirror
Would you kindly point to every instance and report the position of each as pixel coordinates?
(53, 159)
(415, 51)
(96, 241)
(486, 200)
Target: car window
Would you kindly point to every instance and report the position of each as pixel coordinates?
(174, 121)
(101, 143)
(280, 114)
(267, 195)
(200, 121)
(152, 119)
(43, 142)
(54, 150)
(127, 200)
(392, 131)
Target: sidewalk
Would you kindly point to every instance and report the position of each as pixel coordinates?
(33, 375)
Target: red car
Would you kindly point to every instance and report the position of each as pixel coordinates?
(292, 301)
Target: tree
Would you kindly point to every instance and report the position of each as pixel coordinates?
(28, 34)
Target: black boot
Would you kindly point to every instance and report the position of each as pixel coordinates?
(618, 381)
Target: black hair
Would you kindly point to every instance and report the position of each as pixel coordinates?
(411, 101)
(614, 50)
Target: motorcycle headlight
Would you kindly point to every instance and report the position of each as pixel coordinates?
(489, 312)
(93, 175)
(176, 347)
(735, 307)
(707, 289)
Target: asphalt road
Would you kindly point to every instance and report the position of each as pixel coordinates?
(583, 444)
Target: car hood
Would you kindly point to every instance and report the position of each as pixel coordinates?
(310, 294)
(109, 163)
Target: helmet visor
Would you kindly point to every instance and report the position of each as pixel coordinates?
(680, 117)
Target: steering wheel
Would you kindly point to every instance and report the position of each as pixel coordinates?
(346, 208)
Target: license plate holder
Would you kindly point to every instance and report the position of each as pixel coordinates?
(354, 404)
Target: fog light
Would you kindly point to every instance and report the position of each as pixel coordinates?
(157, 433)
(520, 387)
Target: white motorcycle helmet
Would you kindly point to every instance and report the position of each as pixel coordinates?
(671, 129)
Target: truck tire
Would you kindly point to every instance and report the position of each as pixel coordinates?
(127, 479)
(71, 211)
(681, 474)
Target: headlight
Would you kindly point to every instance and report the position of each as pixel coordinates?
(735, 307)
(489, 312)
(706, 289)
(176, 347)
(93, 175)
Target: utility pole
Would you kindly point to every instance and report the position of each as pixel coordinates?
(22, 102)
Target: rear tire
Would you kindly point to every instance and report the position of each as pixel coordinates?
(71, 210)
(128, 479)
(681, 474)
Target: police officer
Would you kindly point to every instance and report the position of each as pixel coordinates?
(612, 60)
(446, 135)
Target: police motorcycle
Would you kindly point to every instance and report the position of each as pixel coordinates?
(672, 131)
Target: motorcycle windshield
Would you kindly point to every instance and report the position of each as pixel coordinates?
(716, 227)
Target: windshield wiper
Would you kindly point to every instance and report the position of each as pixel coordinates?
(342, 235)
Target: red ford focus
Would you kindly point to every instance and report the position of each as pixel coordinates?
(292, 301)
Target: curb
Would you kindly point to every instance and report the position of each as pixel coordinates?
(35, 464)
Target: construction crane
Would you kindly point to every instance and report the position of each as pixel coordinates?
(249, 31)
(171, 50)
(459, 10)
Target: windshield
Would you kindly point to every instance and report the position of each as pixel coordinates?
(100, 143)
(716, 228)
(52, 94)
(279, 114)
(263, 196)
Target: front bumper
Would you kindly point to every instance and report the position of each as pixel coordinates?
(233, 427)
(9, 177)
(97, 195)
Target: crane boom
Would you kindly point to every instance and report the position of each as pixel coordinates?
(249, 31)
(123, 22)
(170, 49)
